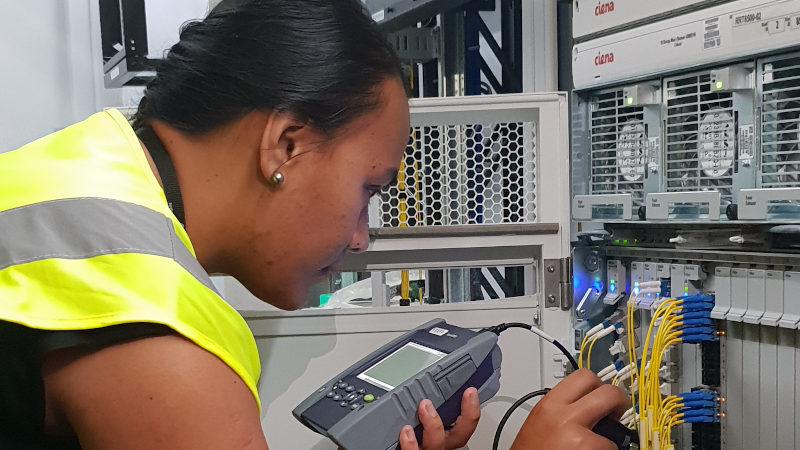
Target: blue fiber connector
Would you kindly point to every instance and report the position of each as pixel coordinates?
(698, 395)
(697, 306)
(693, 404)
(698, 338)
(699, 413)
(689, 331)
(703, 419)
(696, 315)
(688, 323)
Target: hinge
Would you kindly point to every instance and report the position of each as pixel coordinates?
(558, 283)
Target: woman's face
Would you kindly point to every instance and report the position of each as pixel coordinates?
(305, 225)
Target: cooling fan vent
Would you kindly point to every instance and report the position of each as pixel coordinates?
(618, 144)
(700, 136)
(780, 122)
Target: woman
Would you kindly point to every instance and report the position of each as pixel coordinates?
(257, 147)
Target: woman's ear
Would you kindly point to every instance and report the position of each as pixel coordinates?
(284, 137)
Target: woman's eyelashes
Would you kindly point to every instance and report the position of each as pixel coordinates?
(374, 190)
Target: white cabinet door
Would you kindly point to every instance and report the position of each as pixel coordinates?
(484, 184)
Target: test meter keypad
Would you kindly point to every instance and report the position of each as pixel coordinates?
(346, 395)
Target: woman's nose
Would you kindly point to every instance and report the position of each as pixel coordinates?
(360, 240)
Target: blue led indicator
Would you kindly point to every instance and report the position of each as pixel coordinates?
(612, 287)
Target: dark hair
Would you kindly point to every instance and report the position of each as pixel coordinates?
(320, 60)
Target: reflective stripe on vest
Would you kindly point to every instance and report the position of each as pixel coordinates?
(90, 227)
(87, 241)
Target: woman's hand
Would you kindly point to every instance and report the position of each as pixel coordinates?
(434, 437)
(564, 418)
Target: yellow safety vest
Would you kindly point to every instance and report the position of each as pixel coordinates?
(87, 240)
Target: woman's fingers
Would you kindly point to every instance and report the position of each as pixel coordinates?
(407, 439)
(433, 436)
(466, 423)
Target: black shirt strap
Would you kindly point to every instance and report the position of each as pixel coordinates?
(165, 169)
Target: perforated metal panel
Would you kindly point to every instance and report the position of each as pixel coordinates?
(779, 79)
(465, 173)
(700, 136)
(618, 145)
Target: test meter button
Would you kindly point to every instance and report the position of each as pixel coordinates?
(362, 391)
(368, 398)
(350, 389)
(343, 404)
(330, 394)
(336, 398)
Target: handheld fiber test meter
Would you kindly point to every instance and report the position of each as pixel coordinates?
(364, 407)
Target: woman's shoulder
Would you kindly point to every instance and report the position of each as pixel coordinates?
(153, 392)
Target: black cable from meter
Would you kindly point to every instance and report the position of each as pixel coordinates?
(497, 329)
(606, 427)
(511, 410)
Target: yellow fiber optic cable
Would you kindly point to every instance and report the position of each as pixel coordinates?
(664, 338)
(589, 354)
(583, 346)
(631, 347)
(674, 421)
(649, 381)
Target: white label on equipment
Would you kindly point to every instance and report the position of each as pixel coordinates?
(794, 22)
(438, 331)
(653, 154)
(767, 73)
(379, 16)
(114, 72)
(711, 35)
(776, 25)
(746, 146)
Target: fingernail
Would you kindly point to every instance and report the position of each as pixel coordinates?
(430, 409)
(473, 394)
(409, 434)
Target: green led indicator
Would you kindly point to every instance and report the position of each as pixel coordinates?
(613, 282)
(718, 85)
(625, 242)
(630, 100)
(636, 283)
(686, 288)
(616, 241)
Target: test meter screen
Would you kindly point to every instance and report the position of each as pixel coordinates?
(401, 365)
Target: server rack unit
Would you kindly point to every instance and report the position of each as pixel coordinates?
(778, 179)
(622, 145)
(593, 18)
(709, 117)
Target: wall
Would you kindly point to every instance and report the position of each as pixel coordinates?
(51, 73)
